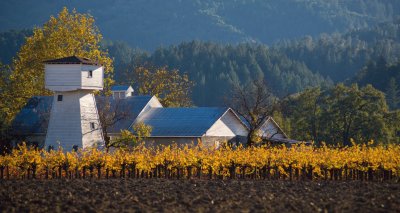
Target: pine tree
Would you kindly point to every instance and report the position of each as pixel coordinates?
(393, 94)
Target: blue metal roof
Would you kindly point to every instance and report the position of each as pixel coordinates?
(120, 88)
(34, 117)
(181, 122)
(128, 108)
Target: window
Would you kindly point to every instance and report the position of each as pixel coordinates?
(132, 94)
(92, 126)
(75, 148)
(49, 148)
(59, 97)
(90, 74)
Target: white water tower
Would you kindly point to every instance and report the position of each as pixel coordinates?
(74, 119)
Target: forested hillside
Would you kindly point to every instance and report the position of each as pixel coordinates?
(384, 77)
(10, 42)
(149, 24)
(214, 67)
(340, 56)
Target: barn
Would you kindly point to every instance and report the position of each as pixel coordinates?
(210, 125)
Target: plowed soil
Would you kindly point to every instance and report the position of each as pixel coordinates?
(160, 195)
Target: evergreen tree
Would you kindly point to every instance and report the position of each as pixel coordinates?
(393, 94)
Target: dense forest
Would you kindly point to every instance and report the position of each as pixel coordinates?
(10, 43)
(383, 77)
(149, 24)
(340, 56)
(214, 68)
(288, 66)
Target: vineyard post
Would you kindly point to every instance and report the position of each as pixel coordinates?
(27, 172)
(122, 173)
(34, 170)
(232, 170)
(84, 172)
(199, 168)
(264, 172)
(98, 171)
(189, 171)
(8, 172)
(76, 172)
(277, 174)
(91, 171)
(2, 172)
(310, 172)
(46, 174)
(59, 172)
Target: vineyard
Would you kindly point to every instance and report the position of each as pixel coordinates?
(358, 162)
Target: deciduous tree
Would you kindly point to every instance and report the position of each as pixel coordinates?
(70, 33)
(254, 103)
(171, 88)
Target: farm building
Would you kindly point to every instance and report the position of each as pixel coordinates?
(208, 125)
(211, 125)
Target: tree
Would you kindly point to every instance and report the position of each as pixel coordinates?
(129, 139)
(111, 111)
(393, 94)
(254, 103)
(171, 88)
(4, 84)
(305, 111)
(339, 114)
(65, 35)
(351, 112)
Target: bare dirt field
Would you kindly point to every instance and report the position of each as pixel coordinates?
(161, 195)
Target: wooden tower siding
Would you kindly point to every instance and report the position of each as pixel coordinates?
(74, 119)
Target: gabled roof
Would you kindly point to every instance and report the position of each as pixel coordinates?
(130, 107)
(181, 122)
(34, 117)
(120, 88)
(72, 60)
(269, 118)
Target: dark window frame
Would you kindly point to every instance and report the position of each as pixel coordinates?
(92, 125)
(59, 97)
(90, 74)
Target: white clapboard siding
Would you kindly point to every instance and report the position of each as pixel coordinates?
(122, 94)
(96, 81)
(227, 125)
(63, 77)
(67, 125)
(89, 114)
(69, 77)
(153, 103)
(270, 130)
